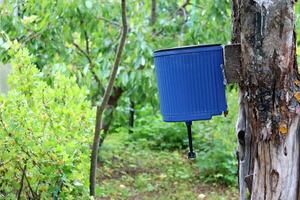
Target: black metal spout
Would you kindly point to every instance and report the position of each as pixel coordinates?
(191, 154)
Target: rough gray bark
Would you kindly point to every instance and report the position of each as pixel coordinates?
(268, 123)
(232, 61)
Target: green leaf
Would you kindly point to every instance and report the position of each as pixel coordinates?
(89, 4)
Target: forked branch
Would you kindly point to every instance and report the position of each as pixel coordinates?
(102, 106)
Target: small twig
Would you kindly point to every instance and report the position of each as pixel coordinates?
(184, 14)
(29, 154)
(114, 23)
(46, 111)
(197, 6)
(4, 163)
(87, 45)
(91, 64)
(81, 50)
(86, 37)
(4, 126)
(30, 37)
(86, 53)
(183, 6)
(182, 9)
(186, 3)
(22, 182)
(58, 189)
(34, 195)
(37, 186)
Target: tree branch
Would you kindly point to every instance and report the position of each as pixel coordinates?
(80, 50)
(185, 4)
(29, 154)
(34, 195)
(91, 63)
(181, 9)
(109, 21)
(22, 182)
(197, 6)
(101, 107)
(153, 12)
(117, 59)
(86, 53)
(87, 45)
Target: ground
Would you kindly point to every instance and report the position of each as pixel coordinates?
(131, 171)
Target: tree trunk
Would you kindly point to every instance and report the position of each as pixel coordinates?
(131, 115)
(109, 115)
(153, 12)
(269, 96)
(102, 106)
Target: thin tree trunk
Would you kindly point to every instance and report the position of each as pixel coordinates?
(269, 96)
(101, 108)
(153, 12)
(131, 115)
(243, 130)
(111, 106)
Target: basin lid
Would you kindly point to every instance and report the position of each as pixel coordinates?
(187, 49)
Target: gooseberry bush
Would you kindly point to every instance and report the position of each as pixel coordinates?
(45, 131)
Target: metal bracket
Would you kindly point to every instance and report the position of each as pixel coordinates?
(232, 63)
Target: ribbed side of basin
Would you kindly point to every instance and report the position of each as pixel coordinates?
(190, 84)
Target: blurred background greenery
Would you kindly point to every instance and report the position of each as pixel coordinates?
(140, 156)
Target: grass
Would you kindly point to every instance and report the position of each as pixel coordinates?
(130, 171)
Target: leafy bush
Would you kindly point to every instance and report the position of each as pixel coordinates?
(44, 135)
(217, 144)
(151, 131)
(214, 140)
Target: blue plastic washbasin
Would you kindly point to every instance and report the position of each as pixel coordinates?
(190, 82)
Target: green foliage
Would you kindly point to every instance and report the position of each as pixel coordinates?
(80, 37)
(214, 140)
(151, 131)
(217, 145)
(133, 171)
(48, 113)
(44, 134)
(297, 11)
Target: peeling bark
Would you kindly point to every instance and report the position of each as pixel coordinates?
(236, 22)
(232, 63)
(268, 123)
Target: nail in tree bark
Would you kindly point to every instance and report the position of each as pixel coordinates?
(269, 96)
